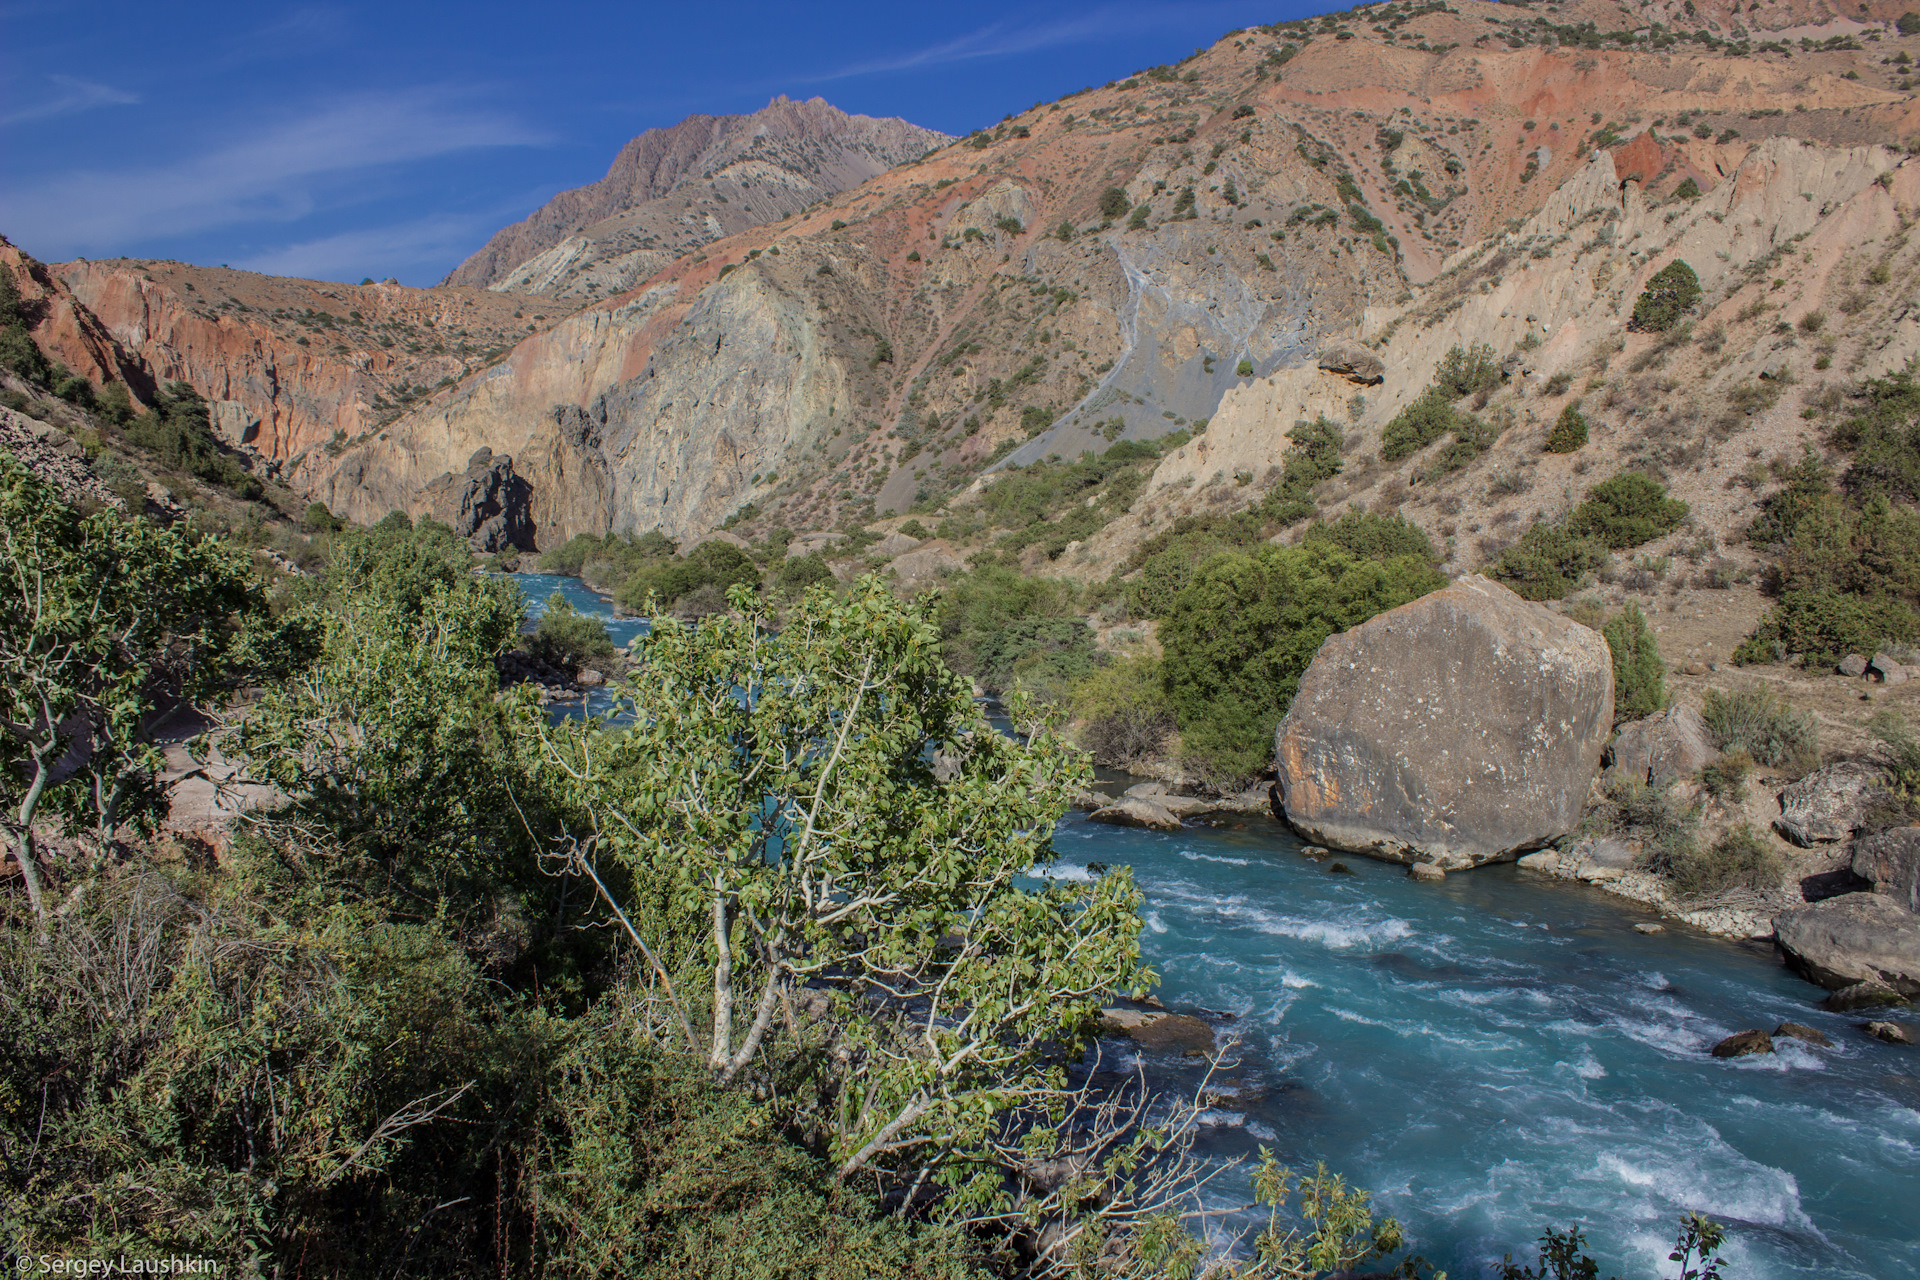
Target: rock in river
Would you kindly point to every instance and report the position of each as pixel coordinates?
(1854, 938)
(1459, 729)
(1802, 1032)
(1742, 1043)
(1132, 811)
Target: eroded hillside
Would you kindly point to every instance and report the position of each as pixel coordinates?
(1114, 264)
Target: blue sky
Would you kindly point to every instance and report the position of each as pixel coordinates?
(364, 139)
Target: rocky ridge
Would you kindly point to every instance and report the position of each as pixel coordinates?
(671, 191)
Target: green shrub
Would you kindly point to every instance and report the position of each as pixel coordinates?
(1569, 431)
(796, 574)
(320, 520)
(1739, 859)
(178, 432)
(1114, 203)
(568, 639)
(1471, 437)
(715, 564)
(1315, 456)
(1883, 437)
(1372, 537)
(1825, 625)
(1244, 369)
(1765, 726)
(1725, 779)
(1124, 712)
(1468, 371)
(1639, 676)
(1626, 511)
(1242, 632)
(1688, 188)
(1668, 296)
(988, 618)
(1549, 561)
(1418, 425)
(1166, 562)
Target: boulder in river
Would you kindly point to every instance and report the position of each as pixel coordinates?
(1426, 873)
(1856, 937)
(1890, 1032)
(1803, 1033)
(1132, 811)
(1828, 804)
(1743, 1043)
(1156, 1028)
(1667, 744)
(1460, 729)
(1890, 859)
(1861, 995)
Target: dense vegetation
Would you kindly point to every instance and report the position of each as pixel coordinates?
(1555, 558)
(1847, 555)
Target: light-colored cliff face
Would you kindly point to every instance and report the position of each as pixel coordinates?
(671, 191)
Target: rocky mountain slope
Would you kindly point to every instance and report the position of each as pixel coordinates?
(1006, 298)
(670, 191)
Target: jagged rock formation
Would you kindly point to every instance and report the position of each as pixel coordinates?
(670, 191)
(486, 505)
(1460, 729)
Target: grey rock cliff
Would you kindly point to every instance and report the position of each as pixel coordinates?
(1460, 729)
(488, 504)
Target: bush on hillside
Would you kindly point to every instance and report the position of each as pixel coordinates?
(569, 639)
(1639, 675)
(796, 574)
(178, 432)
(1739, 859)
(1668, 296)
(1765, 726)
(1315, 456)
(1569, 431)
(1883, 438)
(996, 618)
(1626, 511)
(1824, 625)
(1372, 537)
(1418, 425)
(1466, 371)
(1549, 562)
(1124, 713)
(1242, 632)
(1166, 562)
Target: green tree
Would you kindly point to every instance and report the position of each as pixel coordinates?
(1114, 203)
(1639, 675)
(108, 626)
(1669, 295)
(569, 639)
(1241, 634)
(1549, 561)
(849, 838)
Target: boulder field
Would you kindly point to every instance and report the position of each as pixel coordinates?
(1459, 729)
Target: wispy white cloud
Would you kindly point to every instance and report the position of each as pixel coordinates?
(1006, 39)
(300, 32)
(403, 249)
(274, 173)
(68, 95)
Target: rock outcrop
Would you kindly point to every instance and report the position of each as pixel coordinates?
(1666, 745)
(1891, 860)
(1854, 938)
(672, 190)
(1460, 729)
(487, 504)
(1828, 805)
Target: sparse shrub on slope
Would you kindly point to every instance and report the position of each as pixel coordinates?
(1639, 674)
(1626, 511)
(1372, 537)
(1418, 425)
(1569, 431)
(1763, 725)
(1668, 296)
(1466, 371)
(1549, 562)
(1739, 859)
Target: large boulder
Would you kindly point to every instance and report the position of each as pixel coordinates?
(1891, 860)
(1354, 362)
(1667, 744)
(1460, 729)
(1856, 937)
(1828, 804)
